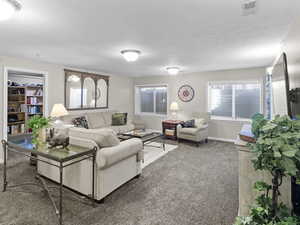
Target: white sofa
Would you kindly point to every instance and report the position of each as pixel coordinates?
(114, 165)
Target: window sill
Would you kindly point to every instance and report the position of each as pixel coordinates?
(150, 114)
(230, 119)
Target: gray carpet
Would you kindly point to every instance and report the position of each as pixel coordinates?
(188, 186)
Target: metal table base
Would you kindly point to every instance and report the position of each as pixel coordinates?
(41, 181)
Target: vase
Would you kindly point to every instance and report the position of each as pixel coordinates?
(42, 136)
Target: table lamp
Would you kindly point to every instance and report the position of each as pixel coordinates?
(58, 110)
(174, 108)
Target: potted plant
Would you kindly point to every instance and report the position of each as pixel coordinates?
(277, 151)
(37, 125)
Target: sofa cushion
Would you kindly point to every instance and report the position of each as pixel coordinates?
(119, 119)
(104, 137)
(107, 157)
(81, 122)
(107, 117)
(96, 120)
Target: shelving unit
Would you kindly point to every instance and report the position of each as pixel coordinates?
(23, 103)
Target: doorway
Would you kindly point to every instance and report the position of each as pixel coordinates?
(25, 96)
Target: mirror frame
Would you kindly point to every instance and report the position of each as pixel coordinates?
(83, 75)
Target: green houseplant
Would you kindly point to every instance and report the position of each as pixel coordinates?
(37, 124)
(277, 151)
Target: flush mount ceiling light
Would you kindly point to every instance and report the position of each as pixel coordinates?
(131, 55)
(173, 70)
(8, 8)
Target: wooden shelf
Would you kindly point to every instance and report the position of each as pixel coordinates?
(15, 123)
(16, 95)
(22, 87)
(11, 113)
(41, 87)
(17, 102)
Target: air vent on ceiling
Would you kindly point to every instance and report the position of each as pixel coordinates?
(249, 7)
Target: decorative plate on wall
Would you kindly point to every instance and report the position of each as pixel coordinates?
(186, 93)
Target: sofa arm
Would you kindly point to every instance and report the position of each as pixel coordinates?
(109, 156)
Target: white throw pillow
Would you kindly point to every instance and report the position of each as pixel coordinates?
(199, 122)
(103, 137)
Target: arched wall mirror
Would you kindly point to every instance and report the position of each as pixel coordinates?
(101, 93)
(85, 90)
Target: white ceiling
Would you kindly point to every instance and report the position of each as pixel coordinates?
(198, 35)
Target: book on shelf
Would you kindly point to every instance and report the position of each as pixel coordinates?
(33, 101)
(23, 108)
(34, 110)
(16, 129)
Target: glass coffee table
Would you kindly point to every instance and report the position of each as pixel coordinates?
(147, 137)
(60, 158)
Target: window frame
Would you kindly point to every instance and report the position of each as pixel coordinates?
(233, 117)
(137, 100)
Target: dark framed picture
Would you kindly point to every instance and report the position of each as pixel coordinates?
(186, 93)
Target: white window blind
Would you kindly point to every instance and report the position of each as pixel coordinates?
(151, 100)
(234, 100)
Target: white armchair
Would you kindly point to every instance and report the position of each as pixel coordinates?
(198, 133)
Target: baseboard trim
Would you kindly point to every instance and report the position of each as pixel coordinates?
(221, 139)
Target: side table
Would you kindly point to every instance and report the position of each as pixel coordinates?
(169, 128)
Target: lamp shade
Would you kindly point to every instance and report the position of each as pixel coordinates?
(58, 110)
(174, 106)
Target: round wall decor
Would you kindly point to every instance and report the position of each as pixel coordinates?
(186, 93)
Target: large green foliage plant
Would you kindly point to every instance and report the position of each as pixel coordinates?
(277, 151)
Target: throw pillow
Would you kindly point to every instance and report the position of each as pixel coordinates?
(119, 119)
(199, 122)
(80, 122)
(189, 123)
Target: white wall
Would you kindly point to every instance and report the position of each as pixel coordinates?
(217, 128)
(120, 87)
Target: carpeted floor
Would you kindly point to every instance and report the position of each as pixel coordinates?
(188, 186)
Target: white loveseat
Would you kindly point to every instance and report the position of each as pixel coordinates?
(114, 165)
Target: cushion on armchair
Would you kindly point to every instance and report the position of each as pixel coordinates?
(199, 122)
(188, 123)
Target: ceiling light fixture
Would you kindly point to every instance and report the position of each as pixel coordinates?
(8, 8)
(131, 55)
(173, 70)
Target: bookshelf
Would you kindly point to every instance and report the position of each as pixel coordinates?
(23, 103)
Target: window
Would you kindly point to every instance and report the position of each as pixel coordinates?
(151, 100)
(234, 100)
